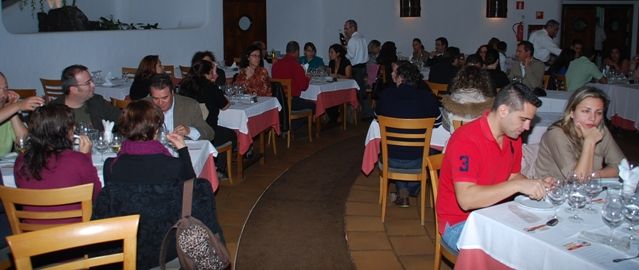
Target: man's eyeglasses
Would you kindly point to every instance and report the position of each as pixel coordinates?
(89, 82)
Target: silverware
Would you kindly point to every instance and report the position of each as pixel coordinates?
(625, 259)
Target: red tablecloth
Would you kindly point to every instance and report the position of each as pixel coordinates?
(477, 259)
(209, 172)
(257, 124)
(333, 98)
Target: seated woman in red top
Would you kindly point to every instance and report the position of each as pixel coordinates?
(50, 161)
(252, 73)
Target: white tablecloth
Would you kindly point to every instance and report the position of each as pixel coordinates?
(540, 124)
(316, 88)
(624, 100)
(237, 115)
(198, 150)
(499, 232)
(439, 138)
(118, 91)
(554, 101)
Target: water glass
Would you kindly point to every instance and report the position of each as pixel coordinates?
(101, 145)
(612, 213)
(576, 199)
(631, 213)
(592, 188)
(557, 195)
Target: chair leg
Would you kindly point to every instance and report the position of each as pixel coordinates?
(318, 126)
(229, 161)
(384, 198)
(310, 128)
(272, 136)
(380, 189)
(344, 110)
(262, 147)
(240, 165)
(438, 253)
(423, 201)
(288, 138)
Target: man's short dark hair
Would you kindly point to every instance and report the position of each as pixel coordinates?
(68, 77)
(514, 96)
(552, 24)
(292, 46)
(452, 53)
(502, 46)
(411, 74)
(527, 46)
(492, 56)
(443, 40)
(161, 81)
(474, 59)
(352, 23)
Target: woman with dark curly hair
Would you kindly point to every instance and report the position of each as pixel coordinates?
(149, 66)
(340, 66)
(50, 161)
(252, 73)
(209, 56)
(471, 93)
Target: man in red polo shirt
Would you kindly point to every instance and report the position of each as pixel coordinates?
(482, 163)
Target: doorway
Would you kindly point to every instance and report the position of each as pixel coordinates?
(614, 21)
(244, 23)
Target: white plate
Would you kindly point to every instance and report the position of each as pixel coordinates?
(533, 204)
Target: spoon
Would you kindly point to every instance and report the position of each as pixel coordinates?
(625, 259)
(552, 222)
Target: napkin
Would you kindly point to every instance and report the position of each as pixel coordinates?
(630, 177)
(107, 80)
(108, 126)
(234, 65)
(305, 66)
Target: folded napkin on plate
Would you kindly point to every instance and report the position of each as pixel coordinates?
(630, 177)
(108, 127)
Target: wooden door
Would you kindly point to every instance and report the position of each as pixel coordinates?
(618, 27)
(244, 23)
(578, 22)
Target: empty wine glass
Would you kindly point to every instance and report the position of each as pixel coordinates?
(576, 199)
(611, 213)
(101, 145)
(162, 136)
(592, 187)
(631, 213)
(557, 195)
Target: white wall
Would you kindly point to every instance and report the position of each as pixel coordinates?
(24, 58)
(463, 22)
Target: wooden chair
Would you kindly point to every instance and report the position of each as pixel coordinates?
(120, 103)
(25, 93)
(52, 89)
(390, 129)
(169, 69)
(228, 149)
(129, 72)
(437, 88)
(292, 115)
(184, 70)
(562, 84)
(26, 245)
(457, 124)
(434, 165)
(11, 197)
(546, 80)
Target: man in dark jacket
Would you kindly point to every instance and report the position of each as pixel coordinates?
(446, 69)
(79, 95)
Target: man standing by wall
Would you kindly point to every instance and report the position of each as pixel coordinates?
(357, 53)
(543, 44)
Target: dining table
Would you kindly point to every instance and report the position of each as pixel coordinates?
(514, 235)
(249, 119)
(202, 155)
(118, 90)
(372, 146)
(622, 109)
(554, 101)
(329, 93)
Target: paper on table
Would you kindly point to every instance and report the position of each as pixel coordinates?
(622, 244)
(525, 215)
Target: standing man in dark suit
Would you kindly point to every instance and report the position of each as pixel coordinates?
(182, 115)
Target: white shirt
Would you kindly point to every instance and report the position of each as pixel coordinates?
(502, 62)
(357, 49)
(194, 134)
(543, 45)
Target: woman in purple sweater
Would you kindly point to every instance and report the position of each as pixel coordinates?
(50, 161)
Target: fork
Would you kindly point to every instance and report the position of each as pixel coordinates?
(625, 259)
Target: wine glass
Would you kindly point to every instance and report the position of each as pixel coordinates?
(116, 142)
(611, 213)
(21, 144)
(557, 195)
(631, 213)
(592, 187)
(576, 199)
(101, 145)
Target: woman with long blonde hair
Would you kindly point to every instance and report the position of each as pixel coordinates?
(579, 144)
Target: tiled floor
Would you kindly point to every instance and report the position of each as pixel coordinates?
(401, 243)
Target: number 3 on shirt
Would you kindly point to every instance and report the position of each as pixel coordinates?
(464, 163)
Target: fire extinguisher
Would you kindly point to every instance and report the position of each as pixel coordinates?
(518, 28)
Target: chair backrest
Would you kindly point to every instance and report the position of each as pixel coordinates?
(561, 82)
(129, 72)
(169, 69)
(457, 124)
(434, 165)
(381, 74)
(120, 103)
(26, 245)
(437, 88)
(25, 93)
(287, 86)
(394, 131)
(52, 89)
(13, 197)
(184, 70)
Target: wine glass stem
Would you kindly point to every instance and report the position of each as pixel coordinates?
(612, 232)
